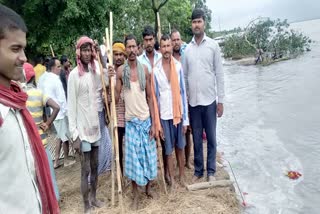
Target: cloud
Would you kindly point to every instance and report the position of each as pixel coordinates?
(229, 14)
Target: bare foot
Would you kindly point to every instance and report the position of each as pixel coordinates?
(187, 165)
(167, 179)
(135, 203)
(149, 194)
(68, 162)
(196, 179)
(97, 203)
(56, 164)
(182, 182)
(87, 208)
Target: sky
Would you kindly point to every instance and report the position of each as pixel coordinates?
(229, 14)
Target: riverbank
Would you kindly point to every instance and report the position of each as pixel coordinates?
(217, 200)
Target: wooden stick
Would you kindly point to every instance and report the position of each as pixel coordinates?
(159, 27)
(115, 122)
(111, 125)
(159, 152)
(206, 185)
(52, 53)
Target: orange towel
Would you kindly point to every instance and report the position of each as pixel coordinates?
(176, 97)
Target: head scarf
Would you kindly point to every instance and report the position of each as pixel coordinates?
(29, 71)
(119, 47)
(83, 40)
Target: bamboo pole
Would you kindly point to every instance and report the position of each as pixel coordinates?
(107, 44)
(159, 152)
(52, 53)
(159, 27)
(113, 113)
(207, 185)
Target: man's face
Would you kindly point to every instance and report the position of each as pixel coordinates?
(12, 56)
(131, 49)
(85, 54)
(176, 41)
(198, 26)
(118, 58)
(57, 68)
(166, 48)
(148, 43)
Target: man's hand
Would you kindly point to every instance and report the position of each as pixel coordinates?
(161, 133)
(219, 109)
(77, 145)
(184, 129)
(44, 126)
(152, 133)
(111, 71)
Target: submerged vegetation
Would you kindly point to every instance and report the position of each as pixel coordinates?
(268, 40)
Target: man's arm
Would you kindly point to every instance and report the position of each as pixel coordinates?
(72, 105)
(184, 99)
(219, 80)
(185, 72)
(118, 83)
(55, 110)
(219, 73)
(150, 102)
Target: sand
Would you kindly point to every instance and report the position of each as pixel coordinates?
(216, 201)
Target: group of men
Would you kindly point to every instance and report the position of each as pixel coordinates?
(155, 93)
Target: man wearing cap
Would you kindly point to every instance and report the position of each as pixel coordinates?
(119, 56)
(35, 104)
(84, 118)
(204, 80)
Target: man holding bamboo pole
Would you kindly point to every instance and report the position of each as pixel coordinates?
(83, 118)
(140, 147)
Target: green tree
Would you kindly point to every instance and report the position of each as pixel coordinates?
(61, 22)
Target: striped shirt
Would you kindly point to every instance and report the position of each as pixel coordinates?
(35, 103)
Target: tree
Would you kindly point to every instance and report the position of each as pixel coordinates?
(61, 22)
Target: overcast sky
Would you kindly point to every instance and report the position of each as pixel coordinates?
(234, 13)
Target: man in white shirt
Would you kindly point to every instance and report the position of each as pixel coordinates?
(83, 118)
(149, 56)
(25, 181)
(170, 93)
(51, 85)
(204, 80)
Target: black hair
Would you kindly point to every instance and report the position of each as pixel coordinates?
(174, 31)
(10, 20)
(63, 59)
(87, 44)
(148, 31)
(165, 37)
(52, 63)
(197, 14)
(156, 46)
(129, 37)
(39, 60)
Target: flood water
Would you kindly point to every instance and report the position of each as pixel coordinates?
(271, 125)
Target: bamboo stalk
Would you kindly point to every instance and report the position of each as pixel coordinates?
(159, 27)
(52, 53)
(115, 122)
(159, 152)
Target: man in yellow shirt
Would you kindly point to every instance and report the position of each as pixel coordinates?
(35, 104)
(39, 69)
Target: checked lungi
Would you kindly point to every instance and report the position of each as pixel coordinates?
(140, 152)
